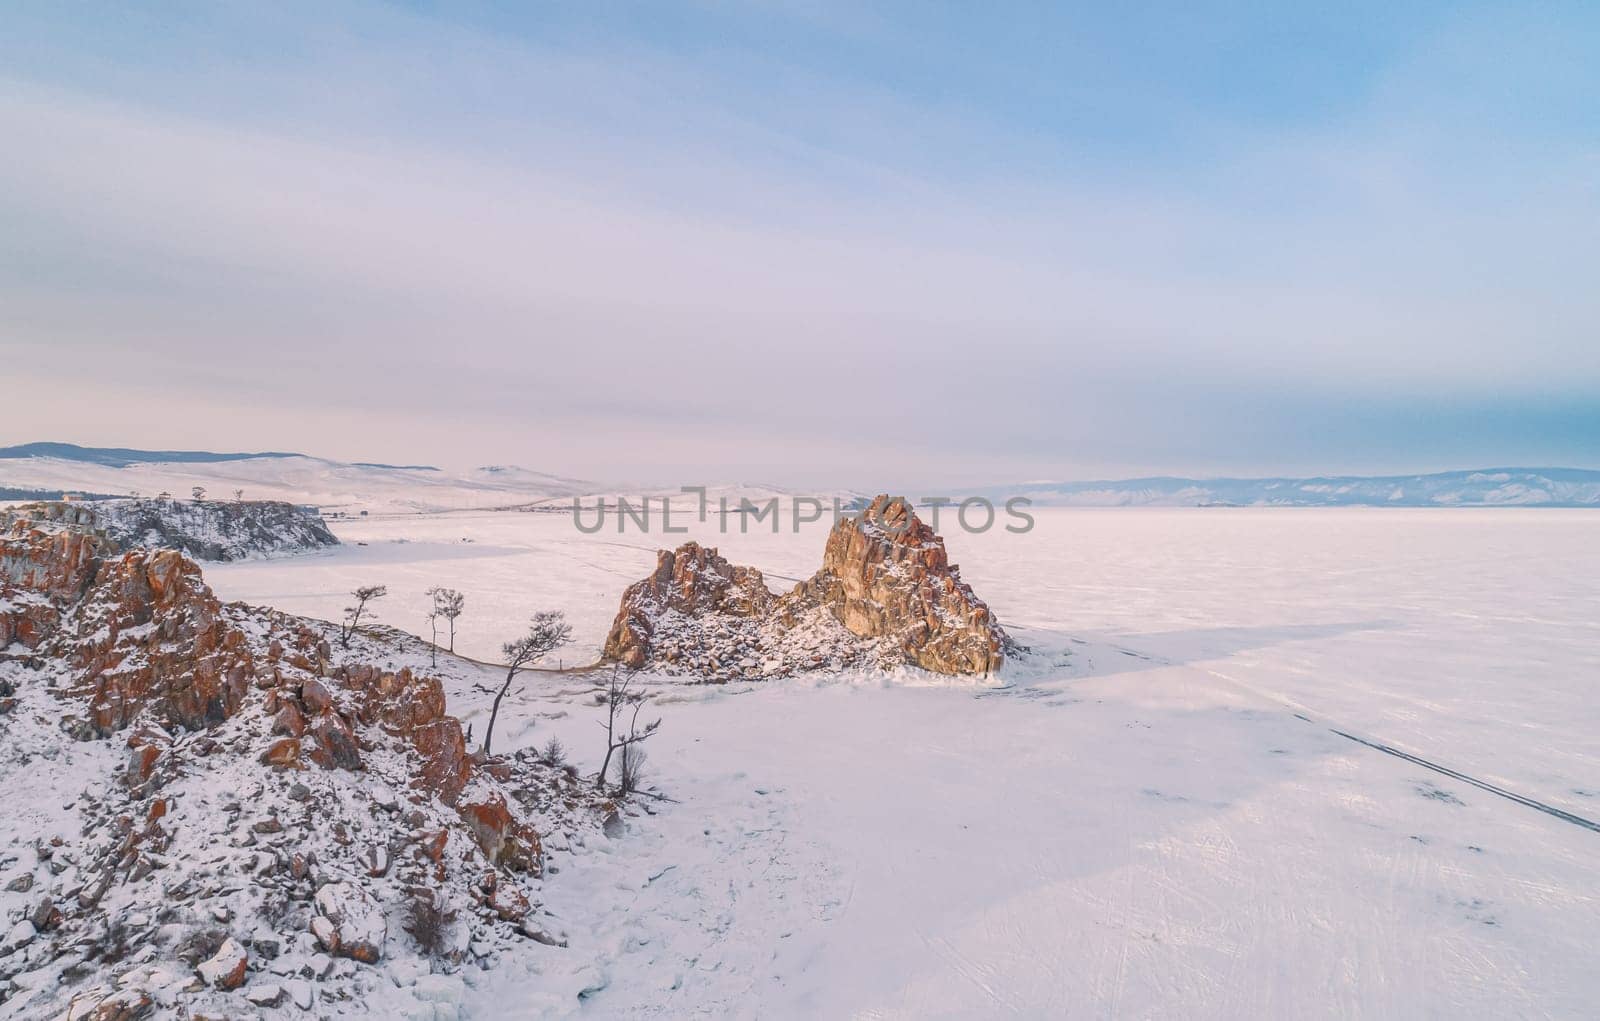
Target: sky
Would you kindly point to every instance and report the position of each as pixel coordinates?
(833, 244)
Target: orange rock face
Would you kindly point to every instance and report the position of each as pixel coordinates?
(150, 636)
(40, 575)
(57, 565)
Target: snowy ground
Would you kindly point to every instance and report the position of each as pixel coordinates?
(1154, 817)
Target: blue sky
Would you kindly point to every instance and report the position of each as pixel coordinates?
(809, 243)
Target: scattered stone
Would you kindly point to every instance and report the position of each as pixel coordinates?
(20, 936)
(301, 993)
(266, 994)
(226, 968)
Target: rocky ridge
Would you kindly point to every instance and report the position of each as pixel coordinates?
(228, 818)
(217, 530)
(886, 595)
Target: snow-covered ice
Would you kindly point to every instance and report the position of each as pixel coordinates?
(1153, 817)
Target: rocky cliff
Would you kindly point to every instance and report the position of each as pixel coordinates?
(886, 595)
(204, 529)
(223, 814)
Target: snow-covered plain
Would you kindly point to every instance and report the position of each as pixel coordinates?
(1153, 817)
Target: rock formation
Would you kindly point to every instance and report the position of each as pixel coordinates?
(886, 594)
(690, 581)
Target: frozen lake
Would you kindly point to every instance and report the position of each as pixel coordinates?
(1155, 816)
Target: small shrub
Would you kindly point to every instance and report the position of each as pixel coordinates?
(554, 753)
(631, 770)
(428, 920)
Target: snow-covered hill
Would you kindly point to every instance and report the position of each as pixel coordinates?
(295, 478)
(42, 470)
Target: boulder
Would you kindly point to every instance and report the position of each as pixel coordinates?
(283, 753)
(349, 922)
(336, 745)
(504, 838)
(225, 969)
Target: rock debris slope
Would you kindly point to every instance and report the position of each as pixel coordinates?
(886, 595)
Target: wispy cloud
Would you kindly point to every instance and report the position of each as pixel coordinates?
(589, 254)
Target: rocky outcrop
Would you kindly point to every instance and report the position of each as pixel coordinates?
(250, 809)
(886, 595)
(217, 530)
(150, 637)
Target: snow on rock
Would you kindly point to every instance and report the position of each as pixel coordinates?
(350, 923)
(225, 969)
(886, 595)
(690, 581)
(20, 936)
(204, 529)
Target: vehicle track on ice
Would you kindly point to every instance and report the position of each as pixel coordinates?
(1564, 816)
(1309, 715)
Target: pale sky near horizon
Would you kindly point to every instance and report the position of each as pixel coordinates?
(807, 243)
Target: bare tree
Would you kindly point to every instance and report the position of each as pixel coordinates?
(448, 604)
(353, 614)
(433, 627)
(163, 495)
(618, 699)
(238, 496)
(198, 492)
(547, 632)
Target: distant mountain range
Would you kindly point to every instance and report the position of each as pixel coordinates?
(1488, 487)
(37, 470)
(122, 457)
